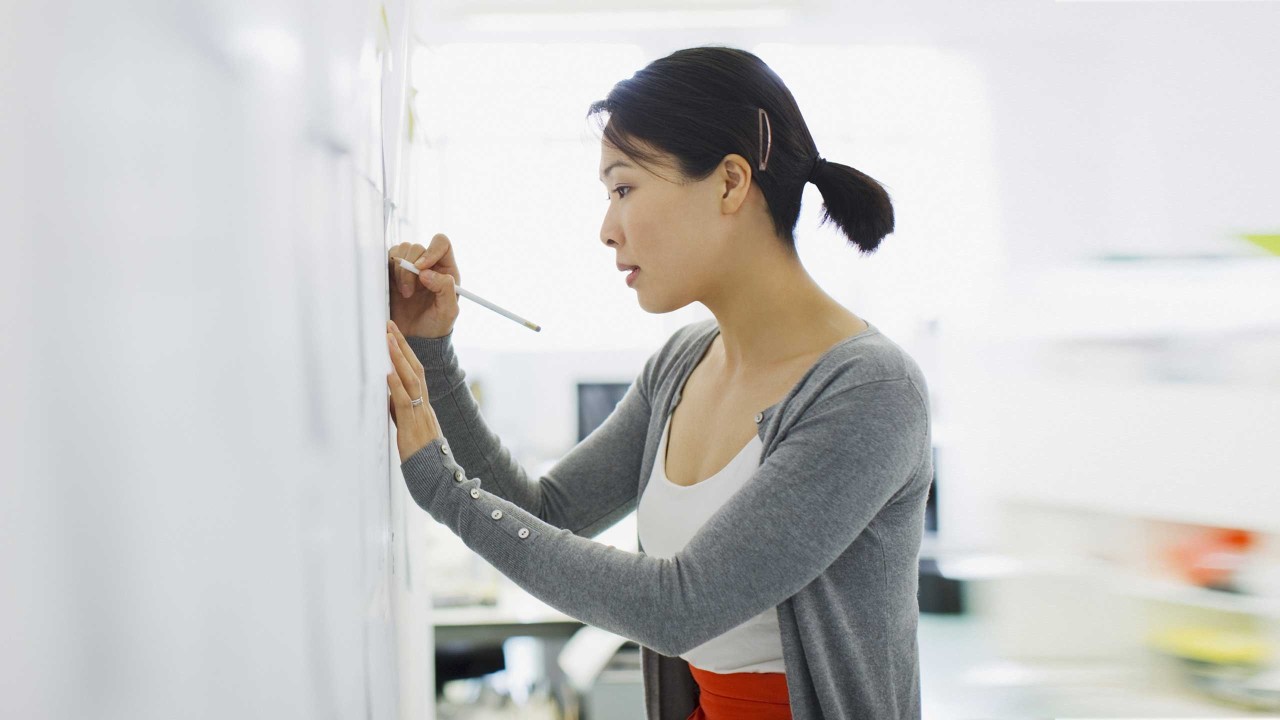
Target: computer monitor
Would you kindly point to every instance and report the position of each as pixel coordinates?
(596, 400)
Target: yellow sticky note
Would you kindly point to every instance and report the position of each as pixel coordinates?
(1270, 243)
(384, 35)
(412, 95)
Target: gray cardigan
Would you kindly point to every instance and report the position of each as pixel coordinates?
(828, 529)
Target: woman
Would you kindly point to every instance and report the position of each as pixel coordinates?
(778, 456)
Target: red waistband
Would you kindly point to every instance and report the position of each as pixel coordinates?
(738, 695)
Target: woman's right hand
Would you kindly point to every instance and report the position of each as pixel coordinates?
(422, 305)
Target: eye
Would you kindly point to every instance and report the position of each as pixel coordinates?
(619, 190)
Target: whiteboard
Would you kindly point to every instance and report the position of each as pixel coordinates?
(201, 507)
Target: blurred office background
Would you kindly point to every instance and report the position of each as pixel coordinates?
(1073, 185)
(1086, 266)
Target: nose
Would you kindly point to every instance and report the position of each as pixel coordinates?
(609, 230)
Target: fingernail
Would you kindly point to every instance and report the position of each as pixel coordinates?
(431, 274)
(404, 291)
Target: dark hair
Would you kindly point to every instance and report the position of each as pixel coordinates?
(700, 104)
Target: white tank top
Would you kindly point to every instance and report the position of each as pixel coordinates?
(669, 515)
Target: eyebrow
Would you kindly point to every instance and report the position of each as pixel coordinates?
(617, 163)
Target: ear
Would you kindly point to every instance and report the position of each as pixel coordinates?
(735, 179)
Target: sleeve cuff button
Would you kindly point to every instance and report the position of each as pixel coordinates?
(524, 533)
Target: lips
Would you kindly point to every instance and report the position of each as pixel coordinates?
(626, 268)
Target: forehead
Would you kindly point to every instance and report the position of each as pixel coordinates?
(612, 159)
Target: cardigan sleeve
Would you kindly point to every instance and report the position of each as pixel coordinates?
(589, 489)
(842, 460)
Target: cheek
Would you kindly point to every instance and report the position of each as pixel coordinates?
(667, 227)
(645, 223)
(666, 216)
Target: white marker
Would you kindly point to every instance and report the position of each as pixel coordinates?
(476, 298)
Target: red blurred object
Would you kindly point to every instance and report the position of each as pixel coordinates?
(1211, 557)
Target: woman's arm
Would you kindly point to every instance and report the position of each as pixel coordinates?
(589, 489)
(849, 454)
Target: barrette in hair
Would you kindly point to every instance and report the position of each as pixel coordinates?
(763, 121)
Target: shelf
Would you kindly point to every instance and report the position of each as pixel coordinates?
(1174, 592)
(1121, 300)
(995, 566)
(1128, 513)
(1185, 453)
(1122, 582)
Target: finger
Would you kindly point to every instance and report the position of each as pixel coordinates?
(391, 399)
(399, 397)
(409, 354)
(417, 256)
(407, 376)
(403, 279)
(446, 291)
(439, 256)
(412, 280)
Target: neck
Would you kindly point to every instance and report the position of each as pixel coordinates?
(771, 311)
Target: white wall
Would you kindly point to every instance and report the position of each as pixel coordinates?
(200, 516)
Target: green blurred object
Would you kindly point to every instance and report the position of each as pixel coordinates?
(1208, 646)
(1270, 243)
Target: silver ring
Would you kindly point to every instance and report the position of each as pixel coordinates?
(416, 403)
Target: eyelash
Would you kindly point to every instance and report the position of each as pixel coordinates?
(618, 190)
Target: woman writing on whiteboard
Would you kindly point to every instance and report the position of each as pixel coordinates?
(778, 456)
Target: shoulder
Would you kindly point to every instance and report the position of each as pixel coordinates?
(871, 361)
(862, 412)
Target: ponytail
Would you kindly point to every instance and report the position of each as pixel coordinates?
(857, 204)
(700, 104)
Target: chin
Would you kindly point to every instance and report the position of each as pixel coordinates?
(659, 306)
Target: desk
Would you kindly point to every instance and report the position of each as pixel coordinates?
(465, 628)
(516, 614)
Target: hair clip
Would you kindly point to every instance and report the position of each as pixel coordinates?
(763, 121)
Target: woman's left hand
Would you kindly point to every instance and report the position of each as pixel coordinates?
(416, 426)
